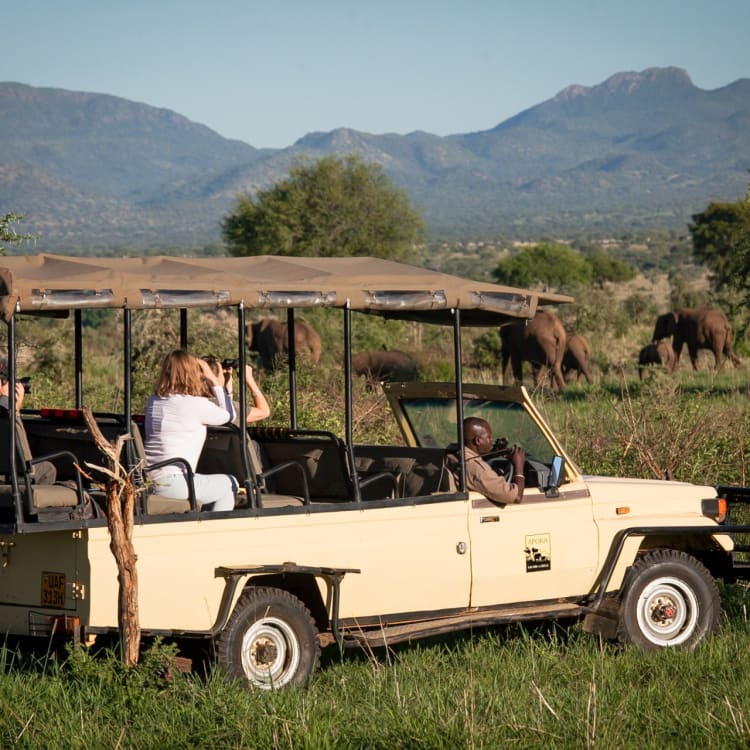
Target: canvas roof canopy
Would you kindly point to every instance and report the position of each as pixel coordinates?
(39, 283)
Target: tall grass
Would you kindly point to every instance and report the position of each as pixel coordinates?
(667, 427)
(549, 687)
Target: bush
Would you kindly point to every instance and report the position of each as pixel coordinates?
(486, 350)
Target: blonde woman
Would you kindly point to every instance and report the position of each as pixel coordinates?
(176, 418)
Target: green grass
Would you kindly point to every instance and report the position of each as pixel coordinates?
(546, 687)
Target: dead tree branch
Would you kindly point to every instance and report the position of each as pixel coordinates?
(120, 515)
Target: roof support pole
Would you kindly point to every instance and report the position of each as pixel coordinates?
(458, 372)
(348, 401)
(292, 350)
(12, 438)
(348, 373)
(242, 416)
(78, 354)
(183, 328)
(127, 364)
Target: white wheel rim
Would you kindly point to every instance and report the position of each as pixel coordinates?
(667, 611)
(270, 653)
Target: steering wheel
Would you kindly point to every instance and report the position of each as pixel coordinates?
(502, 466)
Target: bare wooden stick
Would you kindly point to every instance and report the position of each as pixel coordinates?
(120, 514)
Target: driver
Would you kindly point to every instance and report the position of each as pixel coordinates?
(480, 476)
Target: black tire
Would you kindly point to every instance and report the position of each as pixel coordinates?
(270, 640)
(670, 600)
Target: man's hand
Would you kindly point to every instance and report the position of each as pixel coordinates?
(518, 459)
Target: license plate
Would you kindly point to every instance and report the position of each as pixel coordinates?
(53, 589)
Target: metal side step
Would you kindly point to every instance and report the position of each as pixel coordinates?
(741, 569)
(389, 634)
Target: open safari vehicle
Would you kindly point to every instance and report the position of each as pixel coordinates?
(334, 541)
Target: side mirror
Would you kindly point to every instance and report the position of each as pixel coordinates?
(556, 476)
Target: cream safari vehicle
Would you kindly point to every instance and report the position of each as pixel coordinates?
(334, 541)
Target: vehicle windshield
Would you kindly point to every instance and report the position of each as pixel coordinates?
(433, 423)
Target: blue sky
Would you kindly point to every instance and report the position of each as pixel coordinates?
(269, 71)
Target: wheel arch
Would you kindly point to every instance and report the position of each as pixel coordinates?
(307, 583)
(704, 548)
(630, 544)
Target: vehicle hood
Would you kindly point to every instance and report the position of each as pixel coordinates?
(646, 497)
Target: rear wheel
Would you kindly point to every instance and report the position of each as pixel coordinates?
(670, 600)
(270, 640)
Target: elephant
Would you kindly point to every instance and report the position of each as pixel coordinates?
(269, 337)
(699, 328)
(577, 359)
(382, 365)
(541, 341)
(655, 354)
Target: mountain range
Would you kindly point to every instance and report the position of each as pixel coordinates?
(642, 149)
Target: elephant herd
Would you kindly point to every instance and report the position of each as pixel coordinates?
(269, 337)
(697, 328)
(544, 343)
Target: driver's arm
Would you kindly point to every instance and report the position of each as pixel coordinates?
(480, 476)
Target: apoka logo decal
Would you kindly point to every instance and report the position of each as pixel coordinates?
(538, 551)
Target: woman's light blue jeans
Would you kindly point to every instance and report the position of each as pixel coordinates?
(216, 489)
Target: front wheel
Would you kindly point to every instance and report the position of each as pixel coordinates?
(670, 600)
(270, 640)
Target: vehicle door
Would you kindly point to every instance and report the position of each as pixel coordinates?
(546, 547)
(543, 548)
(412, 557)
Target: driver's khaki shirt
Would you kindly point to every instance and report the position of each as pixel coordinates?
(481, 477)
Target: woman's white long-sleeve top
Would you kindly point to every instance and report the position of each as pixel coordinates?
(176, 426)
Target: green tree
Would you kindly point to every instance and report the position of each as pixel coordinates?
(7, 233)
(553, 265)
(606, 268)
(332, 207)
(721, 240)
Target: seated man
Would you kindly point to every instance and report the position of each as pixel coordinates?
(480, 476)
(44, 471)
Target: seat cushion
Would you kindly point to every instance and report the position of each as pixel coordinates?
(279, 501)
(158, 504)
(54, 496)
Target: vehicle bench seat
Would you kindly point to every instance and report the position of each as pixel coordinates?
(418, 471)
(63, 500)
(47, 436)
(290, 465)
(322, 457)
(222, 454)
(325, 462)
